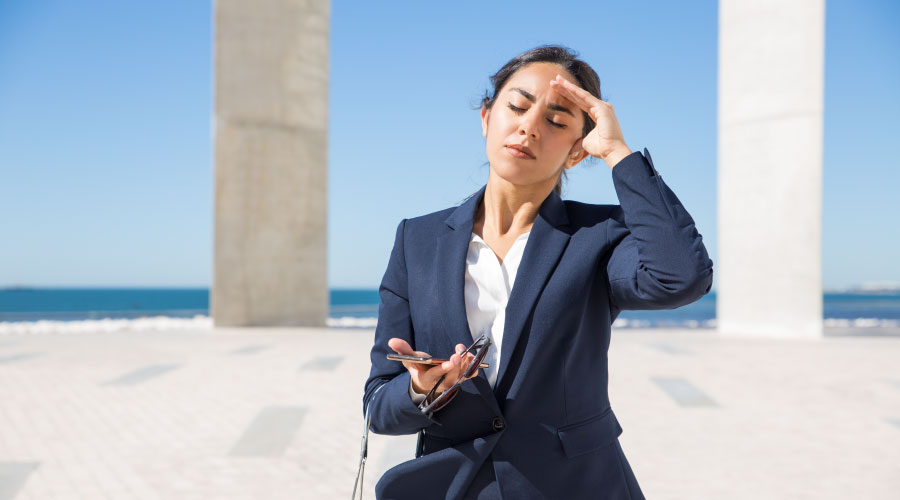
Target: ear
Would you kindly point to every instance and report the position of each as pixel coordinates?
(485, 114)
(576, 154)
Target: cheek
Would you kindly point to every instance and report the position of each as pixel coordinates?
(559, 147)
(497, 127)
(496, 134)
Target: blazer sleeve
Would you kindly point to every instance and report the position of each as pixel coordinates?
(393, 411)
(658, 259)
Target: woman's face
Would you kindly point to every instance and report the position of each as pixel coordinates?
(543, 121)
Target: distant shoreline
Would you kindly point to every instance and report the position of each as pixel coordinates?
(358, 308)
(873, 289)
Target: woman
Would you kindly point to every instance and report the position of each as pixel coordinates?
(543, 279)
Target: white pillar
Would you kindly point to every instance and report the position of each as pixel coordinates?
(771, 105)
(271, 169)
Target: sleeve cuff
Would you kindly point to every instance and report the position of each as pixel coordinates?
(636, 160)
(415, 396)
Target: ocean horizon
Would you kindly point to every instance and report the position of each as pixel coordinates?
(59, 309)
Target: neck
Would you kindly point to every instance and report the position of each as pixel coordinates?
(510, 208)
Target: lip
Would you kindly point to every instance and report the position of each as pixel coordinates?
(520, 151)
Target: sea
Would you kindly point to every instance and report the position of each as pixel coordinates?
(65, 310)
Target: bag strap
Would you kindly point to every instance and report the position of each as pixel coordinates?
(420, 443)
(364, 448)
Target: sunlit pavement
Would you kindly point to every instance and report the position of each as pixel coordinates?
(277, 414)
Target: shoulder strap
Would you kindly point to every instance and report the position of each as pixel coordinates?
(364, 448)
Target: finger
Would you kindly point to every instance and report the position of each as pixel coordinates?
(573, 99)
(440, 380)
(451, 363)
(400, 346)
(584, 106)
(437, 380)
(464, 363)
(433, 372)
(414, 367)
(451, 369)
(582, 98)
(576, 90)
(565, 87)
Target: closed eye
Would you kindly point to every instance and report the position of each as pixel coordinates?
(518, 110)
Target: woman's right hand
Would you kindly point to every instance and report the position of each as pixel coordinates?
(424, 376)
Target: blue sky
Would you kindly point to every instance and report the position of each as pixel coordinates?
(106, 167)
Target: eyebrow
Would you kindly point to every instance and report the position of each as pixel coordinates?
(555, 107)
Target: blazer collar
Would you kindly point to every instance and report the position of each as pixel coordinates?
(549, 237)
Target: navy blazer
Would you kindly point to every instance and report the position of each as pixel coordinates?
(546, 429)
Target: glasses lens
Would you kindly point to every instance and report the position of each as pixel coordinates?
(473, 366)
(444, 398)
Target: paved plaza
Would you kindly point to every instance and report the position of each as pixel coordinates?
(276, 413)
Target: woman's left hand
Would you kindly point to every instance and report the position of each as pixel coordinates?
(605, 140)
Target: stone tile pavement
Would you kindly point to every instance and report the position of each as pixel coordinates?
(277, 414)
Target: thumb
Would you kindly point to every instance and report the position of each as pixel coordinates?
(401, 346)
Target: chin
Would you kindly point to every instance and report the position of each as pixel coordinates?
(516, 174)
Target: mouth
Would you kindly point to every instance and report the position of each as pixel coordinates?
(519, 151)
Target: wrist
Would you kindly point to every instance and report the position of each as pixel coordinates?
(416, 388)
(616, 155)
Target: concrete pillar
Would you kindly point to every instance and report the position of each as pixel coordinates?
(771, 105)
(271, 170)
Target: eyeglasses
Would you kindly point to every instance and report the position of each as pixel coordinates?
(481, 344)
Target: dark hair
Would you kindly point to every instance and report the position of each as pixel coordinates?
(584, 75)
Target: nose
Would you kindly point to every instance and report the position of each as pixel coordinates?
(529, 123)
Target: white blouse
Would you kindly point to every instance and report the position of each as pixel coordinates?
(487, 289)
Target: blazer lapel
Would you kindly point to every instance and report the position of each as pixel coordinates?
(545, 245)
(452, 250)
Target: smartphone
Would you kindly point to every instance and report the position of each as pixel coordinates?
(425, 360)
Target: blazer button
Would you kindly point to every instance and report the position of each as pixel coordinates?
(498, 424)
